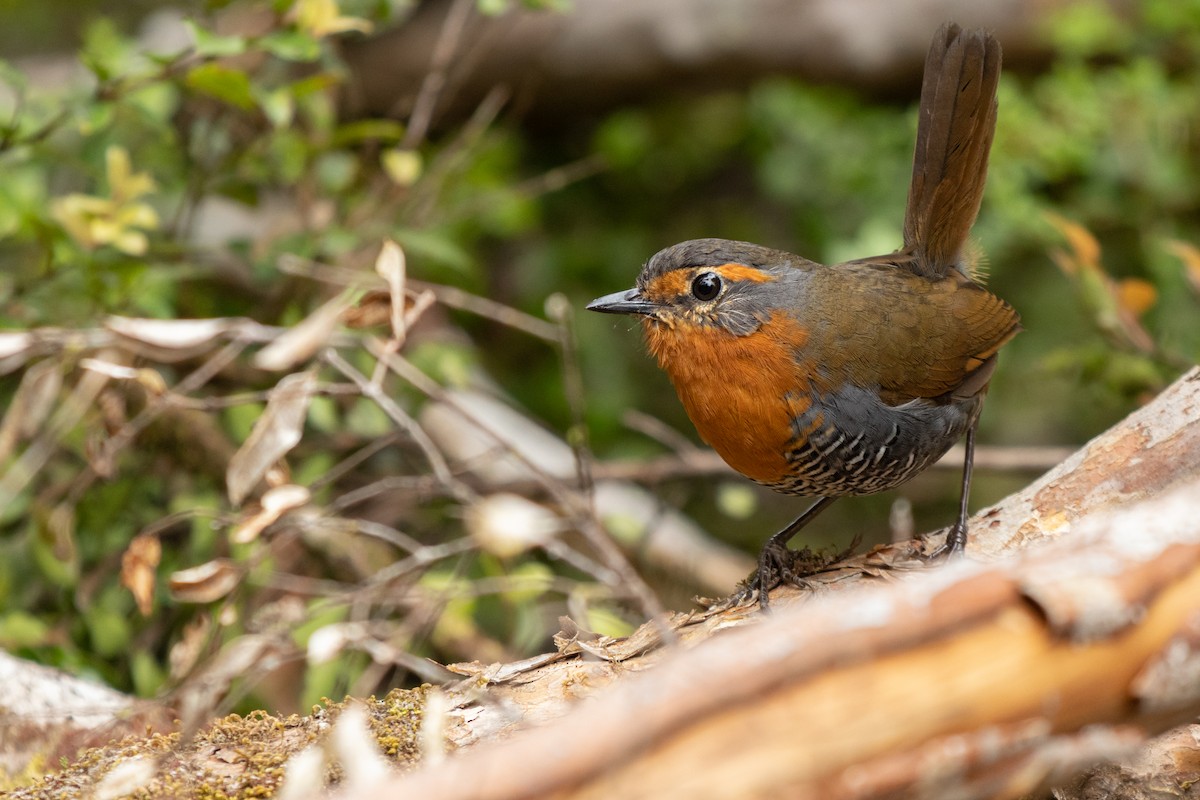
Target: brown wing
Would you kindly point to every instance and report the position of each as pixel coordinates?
(906, 335)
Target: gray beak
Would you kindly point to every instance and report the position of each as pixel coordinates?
(629, 301)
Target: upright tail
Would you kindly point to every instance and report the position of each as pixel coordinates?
(954, 136)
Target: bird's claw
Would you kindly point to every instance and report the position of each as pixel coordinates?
(954, 545)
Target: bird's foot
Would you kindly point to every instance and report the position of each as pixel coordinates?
(778, 565)
(954, 545)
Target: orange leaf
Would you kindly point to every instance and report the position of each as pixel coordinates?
(1085, 250)
(1136, 295)
(1189, 254)
(138, 564)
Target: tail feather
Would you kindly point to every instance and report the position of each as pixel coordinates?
(954, 136)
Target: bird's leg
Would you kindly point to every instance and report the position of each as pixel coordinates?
(775, 560)
(956, 537)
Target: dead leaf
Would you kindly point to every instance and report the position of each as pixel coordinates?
(299, 342)
(206, 582)
(15, 350)
(138, 565)
(149, 379)
(373, 308)
(275, 503)
(276, 432)
(171, 334)
(390, 265)
(186, 652)
(30, 405)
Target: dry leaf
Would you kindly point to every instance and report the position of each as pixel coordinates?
(275, 433)
(186, 652)
(374, 308)
(138, 565)
(205, 583)
(390, 265)
(15, 350)
(275, 503)
(299, 342)
(170, 334)
(30, 405)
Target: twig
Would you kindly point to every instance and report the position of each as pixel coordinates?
(351, 461)
(583, 519)
(661, 432)
(398, 415)
(420, 484)
(559, 308)
(155, 407)
(481, 306)
(435, 78)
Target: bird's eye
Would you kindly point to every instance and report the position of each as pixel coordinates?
(706, 286)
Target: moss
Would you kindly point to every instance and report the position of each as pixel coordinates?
(236, 757)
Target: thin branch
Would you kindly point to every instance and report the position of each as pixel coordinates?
(435, 79)
(374, 392)
(581, 515)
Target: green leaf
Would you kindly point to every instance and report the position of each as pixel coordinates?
(109, 631)
(336, 170)
(607, 622)
(147, 673)
(291, 45)
(736, 500)
(435, 247)
(21, 629)
(226, 84)
(104, 49)
(366, 419)
(448, 363)
(280, 107)
(529, 581)
(288, 150)
(380, 130)
(492, 8)
(13, 77)
(213, 44)
(313, 84)
(239, 420)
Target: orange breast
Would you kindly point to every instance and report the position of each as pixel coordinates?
(741, 392)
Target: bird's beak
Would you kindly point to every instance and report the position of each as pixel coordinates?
(629, 301)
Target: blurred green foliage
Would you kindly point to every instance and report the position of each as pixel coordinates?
(109, 186)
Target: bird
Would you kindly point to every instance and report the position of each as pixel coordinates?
(847, 379)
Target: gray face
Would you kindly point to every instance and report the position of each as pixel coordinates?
(708, 282)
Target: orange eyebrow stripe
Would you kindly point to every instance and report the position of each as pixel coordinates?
(678, 282)
(740, 272)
